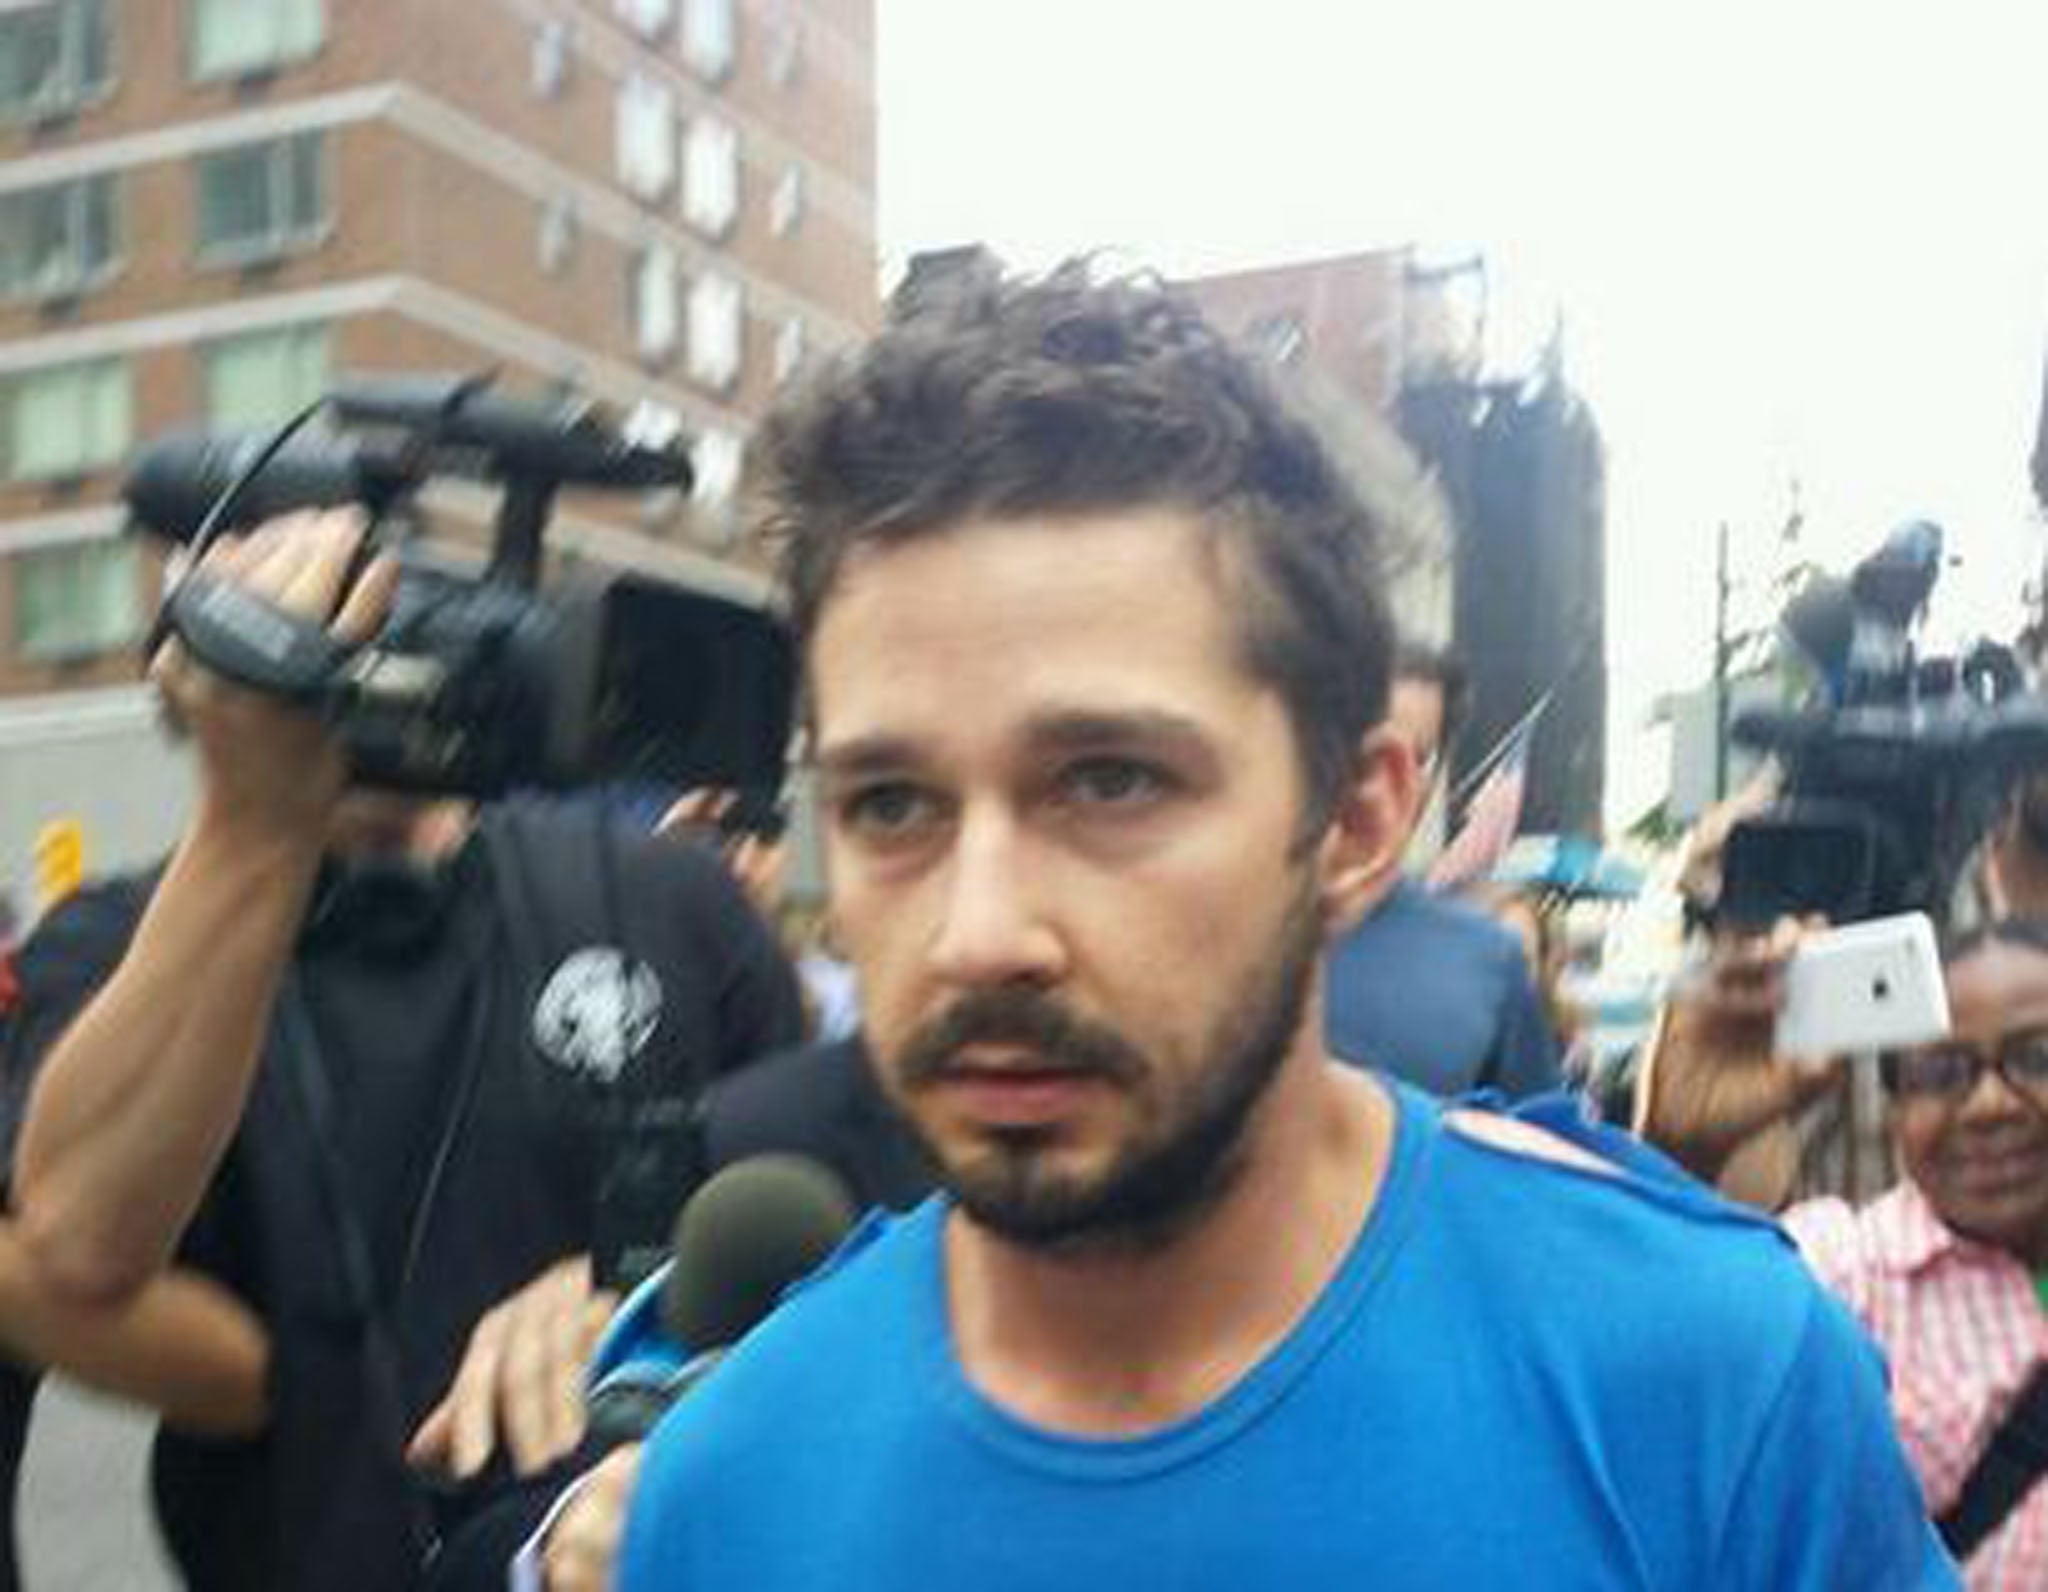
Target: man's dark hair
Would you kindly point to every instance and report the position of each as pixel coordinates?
(1440, 667)
(1007, 398)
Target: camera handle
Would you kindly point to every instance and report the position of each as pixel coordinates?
(522, 519)
(255, 643)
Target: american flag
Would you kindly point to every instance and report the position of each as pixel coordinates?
(1491, 817)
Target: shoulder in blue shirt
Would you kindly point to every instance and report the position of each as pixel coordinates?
(1523, 1374)
(1438, 994)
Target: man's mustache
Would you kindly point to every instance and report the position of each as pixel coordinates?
(1023, 1018)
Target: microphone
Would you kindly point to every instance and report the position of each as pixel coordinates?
(749, 1232)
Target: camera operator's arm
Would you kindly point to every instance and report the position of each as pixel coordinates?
(182, 1345)
(1709, 1082)
(136, 1104)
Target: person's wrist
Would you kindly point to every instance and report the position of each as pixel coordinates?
(260, 840)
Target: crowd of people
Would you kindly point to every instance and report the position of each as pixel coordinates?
(1232, 1229)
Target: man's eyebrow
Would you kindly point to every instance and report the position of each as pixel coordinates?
(1056, 730)
(866, 754)
(1090, 727)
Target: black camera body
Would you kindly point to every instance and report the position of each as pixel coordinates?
(1892, 780)
(480, 683)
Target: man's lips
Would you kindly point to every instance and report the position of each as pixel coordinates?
(1014, 1087)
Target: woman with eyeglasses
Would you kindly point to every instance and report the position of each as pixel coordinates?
(1949, 1269)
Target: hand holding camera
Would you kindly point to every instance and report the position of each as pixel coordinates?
(270, 761)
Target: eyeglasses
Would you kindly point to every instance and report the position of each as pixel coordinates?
(1948, 1073)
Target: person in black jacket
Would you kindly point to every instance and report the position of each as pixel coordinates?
(822, 1102)
(374, 1063)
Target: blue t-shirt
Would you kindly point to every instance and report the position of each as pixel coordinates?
(1438, 994)
(1522, 1375)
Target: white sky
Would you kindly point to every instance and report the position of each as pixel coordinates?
(1798, 238)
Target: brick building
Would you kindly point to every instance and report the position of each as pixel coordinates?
(1343, 332)
(209, 207)
(1496, 489)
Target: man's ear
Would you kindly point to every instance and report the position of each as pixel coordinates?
(1361, 851)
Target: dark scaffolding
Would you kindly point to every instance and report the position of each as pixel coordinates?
(1525, 475)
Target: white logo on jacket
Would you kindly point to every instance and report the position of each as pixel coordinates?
(597, 1012)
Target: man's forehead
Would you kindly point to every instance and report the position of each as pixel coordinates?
(1111, 593)
(1031, 636)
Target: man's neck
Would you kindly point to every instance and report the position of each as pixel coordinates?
(1118, 1342)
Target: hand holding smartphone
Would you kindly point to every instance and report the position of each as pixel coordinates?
(1874, 985)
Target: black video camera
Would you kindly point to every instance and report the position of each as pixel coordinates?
(1896, 775)
(478, 683)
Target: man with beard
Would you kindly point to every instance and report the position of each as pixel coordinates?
(1097, 661)
(368, 1061)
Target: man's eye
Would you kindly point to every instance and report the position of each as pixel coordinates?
(1113, 782)
(884, 809)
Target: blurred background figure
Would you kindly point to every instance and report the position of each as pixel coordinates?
(1537, 920)
(1424, 987)
(754, 841)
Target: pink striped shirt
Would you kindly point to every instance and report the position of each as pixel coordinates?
(1962, 1328)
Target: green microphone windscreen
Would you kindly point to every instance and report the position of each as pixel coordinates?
(744, 1236)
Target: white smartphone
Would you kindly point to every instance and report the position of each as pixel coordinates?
(1874, 985)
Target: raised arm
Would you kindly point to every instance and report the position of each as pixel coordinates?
(181, 1344)
(137, 1102)
(1709, 1082)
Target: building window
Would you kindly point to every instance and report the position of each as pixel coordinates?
(785, 46)
(786, 203)
(552, 57)
(557, 234)
(715, 460)
(716, 314)
(77, 599)
(652, 424)
(231, 38)
(259, 379)
(53, 57)
(646, 136)
(711, 175)
(1280, 338)
(708, 37)
(654, 302)
(257, 201)
(648, 18)
(64, 420)
(789, 350)
(58, 240)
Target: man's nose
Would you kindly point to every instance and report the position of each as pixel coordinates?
(994, 927)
